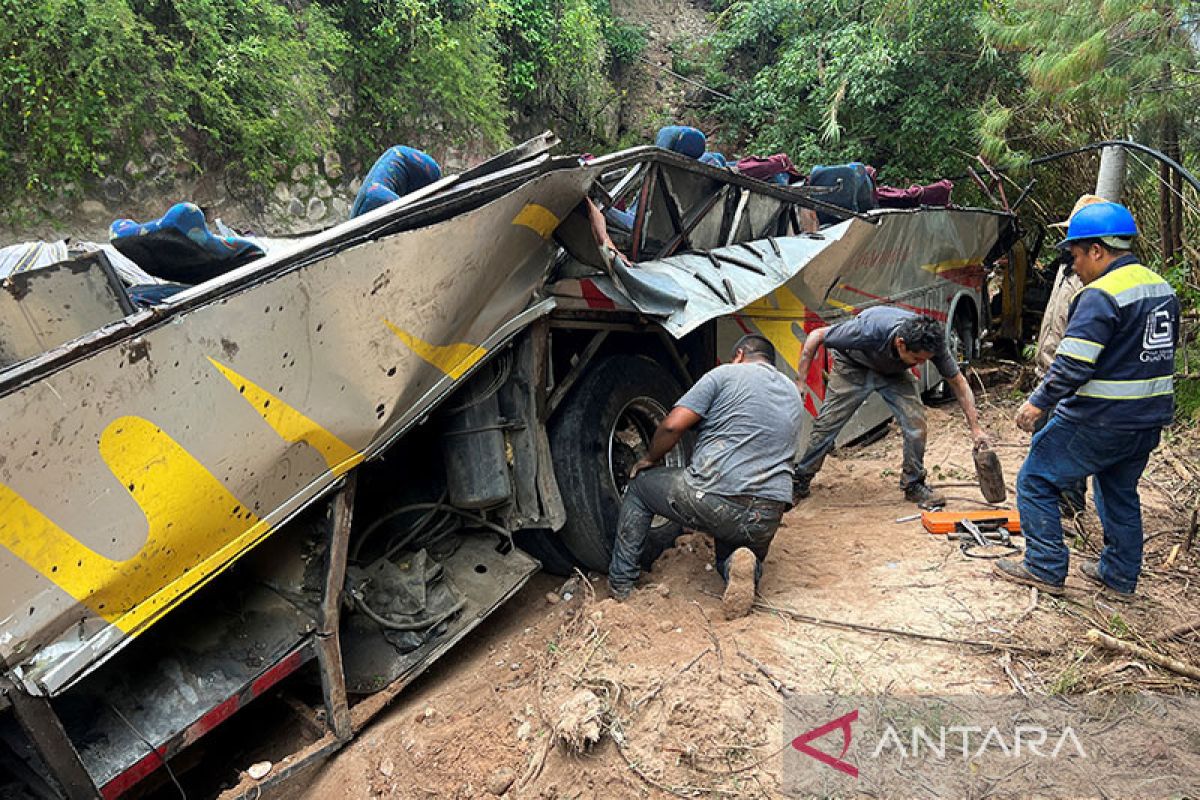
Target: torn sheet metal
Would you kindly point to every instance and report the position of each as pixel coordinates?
(856, 263)
(183, 440)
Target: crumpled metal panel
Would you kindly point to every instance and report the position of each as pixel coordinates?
(148, 462)
(843, 267)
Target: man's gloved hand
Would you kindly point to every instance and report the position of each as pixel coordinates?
(1027, 416)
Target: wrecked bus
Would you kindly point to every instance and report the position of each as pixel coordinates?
(317, 465)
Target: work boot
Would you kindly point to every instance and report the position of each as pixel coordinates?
(1016, 572)
(801, 488)
(1091, 571)
(739, 591)
(923, 496)
(619, 591)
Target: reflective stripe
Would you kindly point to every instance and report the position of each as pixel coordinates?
(1143, 292)
(1081, 349)
(1123, 278)
(1127, 390)
(1130, 283)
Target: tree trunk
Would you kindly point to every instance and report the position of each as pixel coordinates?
(1110, 182)
(1176, 191)
(1166, 225)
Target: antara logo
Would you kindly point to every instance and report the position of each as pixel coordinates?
(842, 723)
(974, 742)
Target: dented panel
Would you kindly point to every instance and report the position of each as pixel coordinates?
(138, 471)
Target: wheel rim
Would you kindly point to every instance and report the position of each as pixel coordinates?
(629, 441)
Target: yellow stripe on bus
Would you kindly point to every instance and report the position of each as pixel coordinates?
(194, 526)
(291, 425)
(453, 359)
(777, 317)
(538, 219)
(950, 264)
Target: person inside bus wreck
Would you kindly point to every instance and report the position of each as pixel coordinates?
(877, 351)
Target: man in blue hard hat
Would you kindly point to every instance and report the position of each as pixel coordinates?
(1110, 387)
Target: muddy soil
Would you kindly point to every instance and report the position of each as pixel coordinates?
(584, 697)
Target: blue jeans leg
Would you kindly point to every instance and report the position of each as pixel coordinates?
(847, 388)
(1075, 495)
(1052, 463)
(903, 397)
(1120, 512)
(1062, 454)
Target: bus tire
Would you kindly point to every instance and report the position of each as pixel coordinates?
(603, 427)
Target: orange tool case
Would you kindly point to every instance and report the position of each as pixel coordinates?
(947, 521)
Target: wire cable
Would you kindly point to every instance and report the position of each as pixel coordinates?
(1192, 206)
(685, 79)
(161, 758)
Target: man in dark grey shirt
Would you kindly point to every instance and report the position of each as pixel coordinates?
(876, 352)
(739, 481)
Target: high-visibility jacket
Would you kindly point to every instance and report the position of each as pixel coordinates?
(1114, 365)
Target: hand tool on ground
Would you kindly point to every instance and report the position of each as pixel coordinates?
(946, 522)
(990, 542)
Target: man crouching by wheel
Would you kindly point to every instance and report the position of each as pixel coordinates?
(739, 482)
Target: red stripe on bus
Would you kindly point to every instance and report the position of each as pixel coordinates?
(929, 312)
(223, 711)
(594, 297)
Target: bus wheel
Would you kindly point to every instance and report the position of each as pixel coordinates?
(603, 427)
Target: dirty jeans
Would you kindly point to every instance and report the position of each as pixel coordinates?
(732, 522)
(847, 389)
(1062, 453)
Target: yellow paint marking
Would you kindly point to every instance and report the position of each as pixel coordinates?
(194, 526)
(946, 266)
(783, 302)
(778, 317)
(849, 309)
(538, 219)
(293, 426)
(452, 359)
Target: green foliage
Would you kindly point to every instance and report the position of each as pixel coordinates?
(81, 81)
(416, 65)
(63, 103)
(893, 82)
(558, 57)
(1094, 69)
(250, 83)
(252, 75)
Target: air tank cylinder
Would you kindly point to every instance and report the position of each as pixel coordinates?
(473, 446)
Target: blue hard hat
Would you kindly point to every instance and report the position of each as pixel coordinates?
(1100, 220)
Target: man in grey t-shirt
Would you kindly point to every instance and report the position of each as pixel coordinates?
(739, 482)
(875, 352)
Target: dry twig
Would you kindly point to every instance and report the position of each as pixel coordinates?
(776, 683)
(927, 637)
(662, 685)
(1182, 630)
(1137, 651)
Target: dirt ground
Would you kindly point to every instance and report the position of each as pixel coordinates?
(582, 697)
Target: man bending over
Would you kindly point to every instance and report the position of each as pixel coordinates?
(875, 352)
(738, 484)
